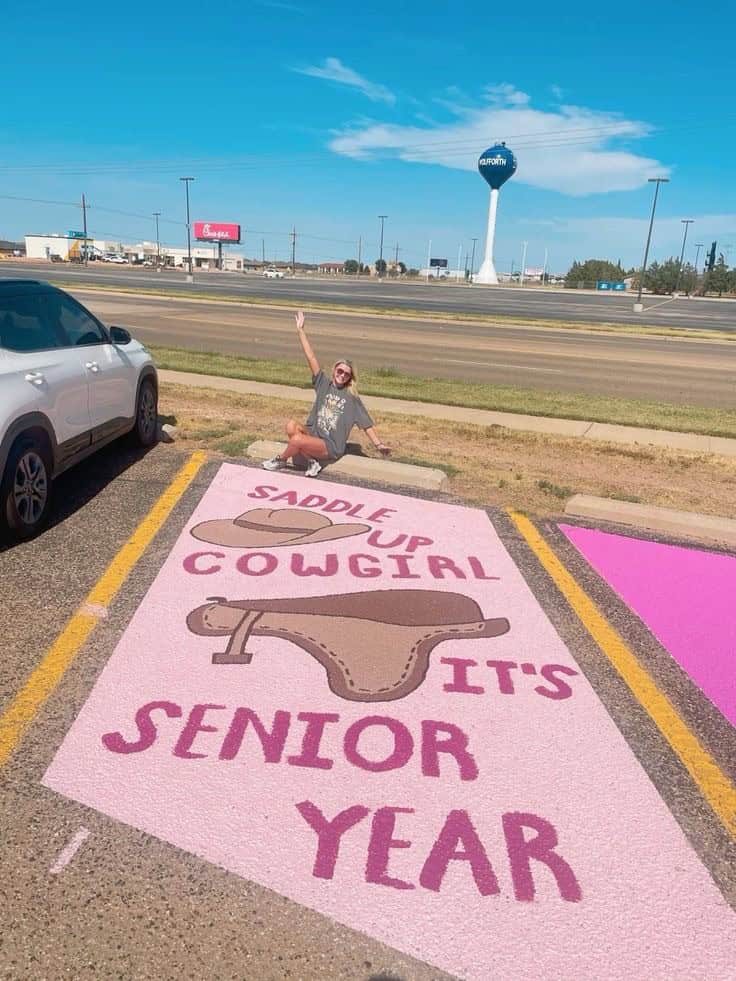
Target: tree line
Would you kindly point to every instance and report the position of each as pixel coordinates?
(660, 278)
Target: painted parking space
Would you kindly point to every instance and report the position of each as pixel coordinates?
(685, 596)
(354, 699)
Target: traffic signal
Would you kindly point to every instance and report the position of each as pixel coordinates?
(710, 260)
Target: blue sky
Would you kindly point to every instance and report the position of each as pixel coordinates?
(324, 115)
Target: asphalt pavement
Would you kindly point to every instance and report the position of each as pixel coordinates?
(527, 304)
(662, 369)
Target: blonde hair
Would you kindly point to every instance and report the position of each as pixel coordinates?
(351, 386)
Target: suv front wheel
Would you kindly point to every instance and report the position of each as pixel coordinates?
(146, 414)
(25, 490)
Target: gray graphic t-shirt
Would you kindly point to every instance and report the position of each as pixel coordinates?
(334, 413)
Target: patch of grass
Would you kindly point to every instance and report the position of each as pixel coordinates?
(554, 489)
(235, 445)
(385, 373)
(416, 462)
(629, 498)
(445, 391)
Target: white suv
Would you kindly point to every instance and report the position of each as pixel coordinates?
(273, 274)
(68, 386)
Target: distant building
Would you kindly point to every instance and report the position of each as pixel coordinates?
(331, 268)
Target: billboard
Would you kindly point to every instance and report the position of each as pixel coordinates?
(216, 231)
(439, 263)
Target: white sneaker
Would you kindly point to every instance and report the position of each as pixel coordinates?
(275, 463)
(313, 469)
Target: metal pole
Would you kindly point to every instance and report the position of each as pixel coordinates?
(544, 268)
(190, 274)
(84, 227)
(360, 252)
(429, 253)
(472, 261)
(293, 251)
(459, 257)
(523, 263)
(698, 246)
(656, 181)
(380, 256)
(157, 215)
(686, 222)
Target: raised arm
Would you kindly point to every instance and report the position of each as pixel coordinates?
(304, 341)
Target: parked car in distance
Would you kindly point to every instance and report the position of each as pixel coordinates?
(272, 273)
(68, 386)
(114, 257)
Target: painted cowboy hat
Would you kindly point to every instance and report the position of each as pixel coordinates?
(266, 528)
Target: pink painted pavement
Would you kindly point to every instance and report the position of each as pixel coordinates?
(686, 596)
(492, 822)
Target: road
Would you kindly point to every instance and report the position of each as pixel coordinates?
(657, 368)
(169, 813)
(523, 304)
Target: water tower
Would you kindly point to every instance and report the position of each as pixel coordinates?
(496, 165)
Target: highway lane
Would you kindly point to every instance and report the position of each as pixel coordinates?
(655, 368)
(524, 304)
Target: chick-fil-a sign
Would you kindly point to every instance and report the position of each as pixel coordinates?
(354, 699)
(216, 231)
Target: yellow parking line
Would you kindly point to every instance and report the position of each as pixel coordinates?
(712, 782)
(41, 683)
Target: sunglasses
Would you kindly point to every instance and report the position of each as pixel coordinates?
(343, 371)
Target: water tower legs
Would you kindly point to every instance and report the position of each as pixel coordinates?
(487, 272)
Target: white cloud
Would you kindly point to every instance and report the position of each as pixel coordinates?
(571, 149)
(333, 70)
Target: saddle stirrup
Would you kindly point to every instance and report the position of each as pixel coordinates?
(236, 652)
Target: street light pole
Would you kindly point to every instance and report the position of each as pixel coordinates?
(380, 256)
(157, 215)
(190, 274)
(523, 263)
(472, 261)
(686, 222)
(656, 181)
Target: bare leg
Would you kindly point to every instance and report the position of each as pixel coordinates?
(308, 446)
(293, 427)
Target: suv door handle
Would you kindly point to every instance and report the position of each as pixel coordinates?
(35, 377)
(91, 365)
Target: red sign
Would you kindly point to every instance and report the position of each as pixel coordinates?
(216, 231)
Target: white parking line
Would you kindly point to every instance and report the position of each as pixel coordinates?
(70, 851)
(500, 364)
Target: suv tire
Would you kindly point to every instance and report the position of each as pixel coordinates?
(25, 489)
(145, 430)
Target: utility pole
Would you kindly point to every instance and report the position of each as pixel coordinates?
(84, 228)
(429, 259)
(396, 257)
(360, 252)
(263, 251)
(523, 263)
(544, 268)
(293, 251)
(459, 257)
(698, 246)
(157, 215)
(380, 256)
(472, 261)
(686, 222)
(190, 274)
(656, 181)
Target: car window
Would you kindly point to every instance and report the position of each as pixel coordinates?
(26, 326)
(78, 326)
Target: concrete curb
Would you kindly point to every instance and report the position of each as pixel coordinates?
(682, 524)
(630, 435)
(365, 468)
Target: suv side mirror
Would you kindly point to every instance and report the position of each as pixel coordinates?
(119, 335)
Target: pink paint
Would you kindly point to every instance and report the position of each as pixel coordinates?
(462, 824)
(687, 598)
